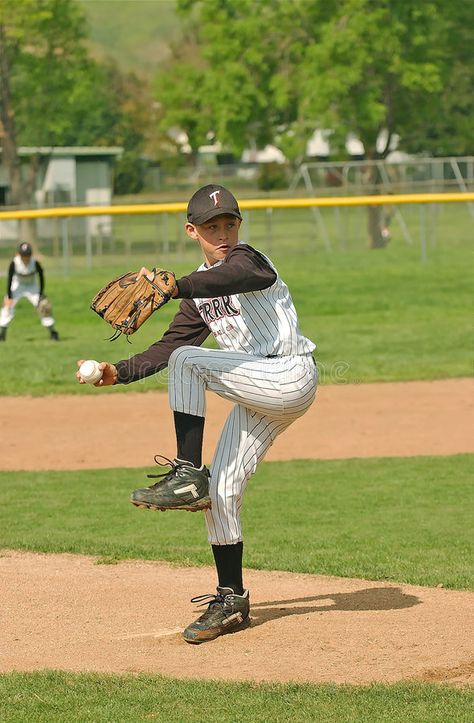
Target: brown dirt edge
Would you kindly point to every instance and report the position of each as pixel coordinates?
(100, 430)
(69, 613)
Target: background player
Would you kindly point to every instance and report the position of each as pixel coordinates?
(264, 366)
(25, 279)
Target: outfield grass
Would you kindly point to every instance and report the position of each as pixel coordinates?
(406, 520)
(375, 316)
(92, 698)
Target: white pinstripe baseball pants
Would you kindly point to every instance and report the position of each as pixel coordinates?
(269, 394)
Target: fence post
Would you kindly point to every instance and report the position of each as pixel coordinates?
(246, 219)
(338, 226)
(269, 227)
(88, 245)
(434, 225)
(423, 233)
(65, 240)
(461, 183)
(183, 237)
(166, 233)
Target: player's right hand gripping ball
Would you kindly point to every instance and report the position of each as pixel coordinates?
(127, 302)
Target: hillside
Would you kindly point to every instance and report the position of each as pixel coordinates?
(135, 33)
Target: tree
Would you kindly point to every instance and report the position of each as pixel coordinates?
(280, 68)
(225, 74)
(449, 129)
(135, 128)
(184, 102)
(40, 53)
(380, 66)
(51, 92)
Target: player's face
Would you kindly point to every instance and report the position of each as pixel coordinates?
(216, 237)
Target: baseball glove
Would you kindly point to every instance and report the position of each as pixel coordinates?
(44, 307)
(127, 302)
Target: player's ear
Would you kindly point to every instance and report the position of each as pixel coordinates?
(191, 231)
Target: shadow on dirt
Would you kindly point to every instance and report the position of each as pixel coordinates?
(374, 598)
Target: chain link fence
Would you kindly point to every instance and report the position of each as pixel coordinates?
(98, 239)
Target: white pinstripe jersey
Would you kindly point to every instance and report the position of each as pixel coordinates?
(262, 323)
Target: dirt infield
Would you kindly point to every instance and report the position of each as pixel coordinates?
(67, 612)
(371, 420)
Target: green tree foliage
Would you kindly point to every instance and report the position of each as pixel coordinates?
(385, 66)
(281, 67)
(57, 92)
(36, 60)
(382, 65)
(181, 90)
(448, 129)
(277, 69)
(230, 79)
(51, 92)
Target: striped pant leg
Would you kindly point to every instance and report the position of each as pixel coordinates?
(269, 394)
(246, 437)
(186, 383)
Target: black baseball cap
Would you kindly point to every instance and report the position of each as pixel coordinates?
(210, 201)
(25, 249)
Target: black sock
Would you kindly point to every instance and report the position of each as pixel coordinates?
(189, 435)
(228, 559)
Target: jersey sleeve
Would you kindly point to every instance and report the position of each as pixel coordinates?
(40, 272)
(11, 271)
(186, 328)
(244, 269)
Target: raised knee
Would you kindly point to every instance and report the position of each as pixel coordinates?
(180, 355)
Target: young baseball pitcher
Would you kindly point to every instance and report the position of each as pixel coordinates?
(264, 365)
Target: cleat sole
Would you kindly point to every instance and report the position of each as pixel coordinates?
(204, 504)
(205, 636)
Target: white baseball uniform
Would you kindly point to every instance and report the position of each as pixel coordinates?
(264, 365)
(25, 280)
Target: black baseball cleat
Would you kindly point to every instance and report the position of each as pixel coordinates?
(3, 333)
(226, 613)
(54, 335)
(184, 487)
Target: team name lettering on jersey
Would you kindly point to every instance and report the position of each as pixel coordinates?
(262, 323)
(215, 309)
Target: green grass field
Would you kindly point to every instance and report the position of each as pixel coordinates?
(63, 697)
(375, 315)
(406, 520)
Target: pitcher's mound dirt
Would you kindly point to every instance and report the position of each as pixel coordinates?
(67, 612)
(127, 430)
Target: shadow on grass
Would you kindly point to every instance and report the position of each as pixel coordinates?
(374, 598)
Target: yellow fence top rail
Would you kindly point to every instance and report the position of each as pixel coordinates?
(382, 200)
